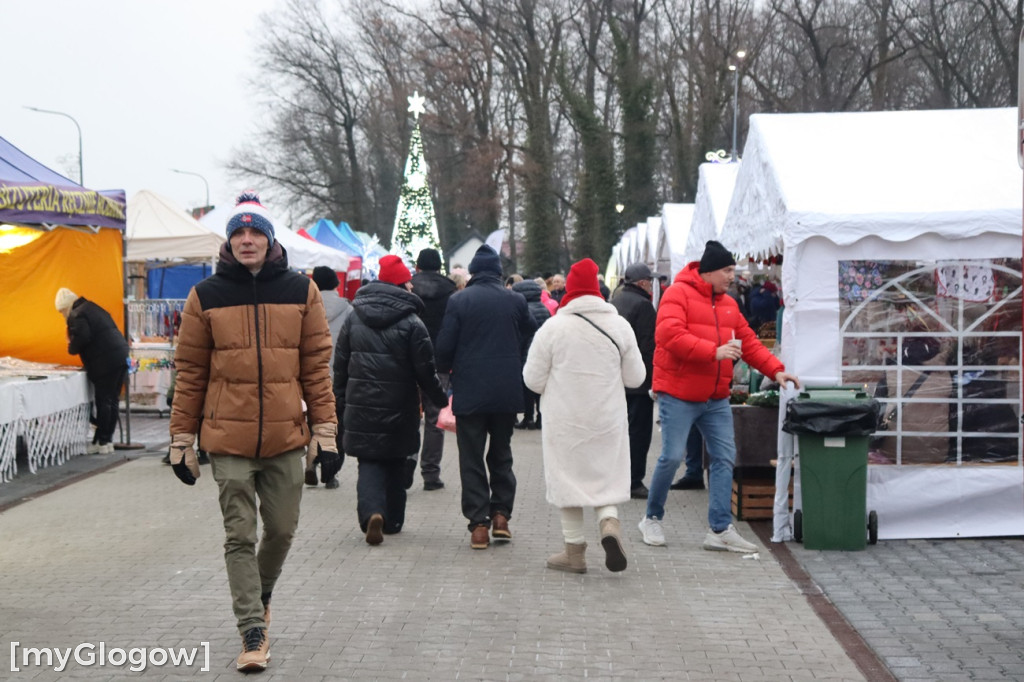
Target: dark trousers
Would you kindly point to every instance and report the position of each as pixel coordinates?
(531, 413)
(481, 498)
(640, 412)
(380, 489)
(433, 437)
(107, 394)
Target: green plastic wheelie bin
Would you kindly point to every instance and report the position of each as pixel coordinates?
(833, 425)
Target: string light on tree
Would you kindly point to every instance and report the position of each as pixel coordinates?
(415, 222)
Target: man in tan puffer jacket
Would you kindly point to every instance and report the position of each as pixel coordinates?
(254, 344)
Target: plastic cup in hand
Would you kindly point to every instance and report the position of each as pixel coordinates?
(736, 342)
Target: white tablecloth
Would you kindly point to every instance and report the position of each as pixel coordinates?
(51, 414)
(23, 398)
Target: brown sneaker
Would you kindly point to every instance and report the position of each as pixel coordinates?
(255, 650)
(480, 538)
(375, 530)
(499, 528)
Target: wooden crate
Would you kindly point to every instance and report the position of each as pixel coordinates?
(754, 498)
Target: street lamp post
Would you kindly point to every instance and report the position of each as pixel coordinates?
(81, 179)
(206, 206)
(735, 68)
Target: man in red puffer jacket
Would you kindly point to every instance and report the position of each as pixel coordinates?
(700, 332)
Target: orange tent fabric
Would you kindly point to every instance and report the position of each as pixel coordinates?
(87, 263)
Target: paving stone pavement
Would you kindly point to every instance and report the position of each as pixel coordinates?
(932, 609)
(132, 558)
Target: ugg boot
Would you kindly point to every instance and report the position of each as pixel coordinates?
(611, 540)
(571, 560)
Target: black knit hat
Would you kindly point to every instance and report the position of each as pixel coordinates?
(485, 259)
(428, 259)
(325, 278)
(715, 257)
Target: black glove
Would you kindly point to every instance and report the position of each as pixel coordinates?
(183, 458)
(330, 463)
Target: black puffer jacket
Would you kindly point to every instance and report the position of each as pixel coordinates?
(434, 289)
(93, 336)
(383, 357)
(538, 311)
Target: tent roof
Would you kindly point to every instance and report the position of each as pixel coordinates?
(302, 253)
(160, 229)
(894, 174)
(17, 166)
(715, 184)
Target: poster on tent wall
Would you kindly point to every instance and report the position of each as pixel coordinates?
(87, 263)
(939, 344)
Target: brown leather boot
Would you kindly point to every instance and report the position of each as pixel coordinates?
(570, 560)
(480, 538)
(611, 540)
(499, 528)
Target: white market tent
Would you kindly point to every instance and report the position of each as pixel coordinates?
(715, 184)
(914, 189)
(676, 220)
(158, 229)
(303, 254)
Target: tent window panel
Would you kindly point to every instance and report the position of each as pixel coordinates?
(869, 350)
(892, 449)
(868, 378)
(939, 344)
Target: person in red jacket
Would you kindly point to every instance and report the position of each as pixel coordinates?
(699, 334)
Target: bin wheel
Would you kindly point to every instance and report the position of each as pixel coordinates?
(872, 527)
(798, 525)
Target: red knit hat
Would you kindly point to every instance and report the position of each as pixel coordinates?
(393, 270)
(582, 281)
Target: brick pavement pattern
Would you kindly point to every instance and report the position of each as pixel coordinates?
(133, 558)
(945, 610)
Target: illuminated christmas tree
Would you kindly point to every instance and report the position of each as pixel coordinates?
(415, 224)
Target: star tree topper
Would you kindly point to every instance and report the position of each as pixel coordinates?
(416, 104)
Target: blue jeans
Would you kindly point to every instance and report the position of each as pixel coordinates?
(714, 419)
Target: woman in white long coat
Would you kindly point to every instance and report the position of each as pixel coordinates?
(580, 362)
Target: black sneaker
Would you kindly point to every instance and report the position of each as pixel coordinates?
(311, 478)
(687, 484)
(433, 485)
(331, 483)
(523, 424)
(639, 492)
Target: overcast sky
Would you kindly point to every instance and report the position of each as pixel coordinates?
(154, 85)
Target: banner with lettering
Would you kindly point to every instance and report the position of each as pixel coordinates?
(35, 203)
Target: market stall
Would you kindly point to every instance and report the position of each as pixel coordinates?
(900, 238)
(53, 233)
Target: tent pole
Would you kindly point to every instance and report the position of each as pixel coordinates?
(126, 435)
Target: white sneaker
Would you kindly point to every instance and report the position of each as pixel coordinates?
(728, 541)
(93, 449)
(106, 449)
(653, 533)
